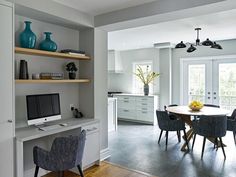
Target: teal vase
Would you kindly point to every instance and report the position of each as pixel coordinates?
(27, 37)
(47, 44)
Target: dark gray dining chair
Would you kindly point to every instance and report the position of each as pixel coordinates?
(210, 127)
(173, 117)
(231, 124)
(212, 105)
(167, 124)
(66, 153)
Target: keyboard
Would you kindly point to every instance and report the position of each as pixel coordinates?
(50, 127)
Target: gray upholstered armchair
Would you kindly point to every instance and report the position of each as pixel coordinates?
(210, 126)
(231, 124)
(66, 153)
(167, 124)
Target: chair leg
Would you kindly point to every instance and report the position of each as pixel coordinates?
(222, 146)
(179, 136)
(215, 143)
(186, 139)
(36, 171)
(234, 137)
(160, 137)
(194, 140)
(60, 174)
(203, 146)
(80, 171)
(166, 139)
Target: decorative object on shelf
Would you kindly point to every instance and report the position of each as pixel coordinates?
(27, 37)
(23, 70)
(196, 105)
(51, 76)
(47, 44)
(192, 47)
(36, 76)
(146, 77)
(73, 52)
(76, 113)
(71, 68)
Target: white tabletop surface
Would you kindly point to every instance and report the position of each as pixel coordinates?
(206, 110)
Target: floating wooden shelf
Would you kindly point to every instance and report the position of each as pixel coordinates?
(49, 54)
(21, 81)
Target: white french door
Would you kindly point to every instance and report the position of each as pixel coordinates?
(211, 81)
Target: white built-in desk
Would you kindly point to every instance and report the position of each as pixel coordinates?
(28, 137)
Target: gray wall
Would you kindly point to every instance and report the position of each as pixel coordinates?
(228, 49)
(123, 81)
(65, 38)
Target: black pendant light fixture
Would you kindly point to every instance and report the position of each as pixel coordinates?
(192, 47)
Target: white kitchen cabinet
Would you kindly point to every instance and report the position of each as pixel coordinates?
(92, 145)
(6, 87)
(114, 62)
(137, 108)
(112, 114)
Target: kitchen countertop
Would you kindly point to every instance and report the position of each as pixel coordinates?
(133, 94)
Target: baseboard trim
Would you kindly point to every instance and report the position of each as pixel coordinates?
(104, 154)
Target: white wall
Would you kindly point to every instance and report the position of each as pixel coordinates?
(65, 38)
(228, 49)
(123, 81)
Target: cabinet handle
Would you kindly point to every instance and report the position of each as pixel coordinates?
(126, 110)
(9, 121)
(145, 112)
(91, 129)
(144, 108)
(144, 103)
(126, 101)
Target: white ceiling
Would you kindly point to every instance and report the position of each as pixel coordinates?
(97, 7)
(219, 26)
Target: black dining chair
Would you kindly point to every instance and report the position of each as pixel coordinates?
(167, 124)
(231, 124)
(212, 105)
(173, 117)
(211, 127)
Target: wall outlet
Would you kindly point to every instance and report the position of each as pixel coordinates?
(72, 107)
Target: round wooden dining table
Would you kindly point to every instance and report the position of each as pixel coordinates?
(185, 113)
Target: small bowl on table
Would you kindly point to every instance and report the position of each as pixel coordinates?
(195, 105)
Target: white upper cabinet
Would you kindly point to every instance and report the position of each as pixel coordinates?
(114, 62)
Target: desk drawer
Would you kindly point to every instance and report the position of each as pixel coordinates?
(91, 128)
(145, 99)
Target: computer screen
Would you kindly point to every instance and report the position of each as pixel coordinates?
(43, 108)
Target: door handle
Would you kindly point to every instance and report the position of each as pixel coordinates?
(208, 98)
(9, 121)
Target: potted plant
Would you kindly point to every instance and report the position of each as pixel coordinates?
(71, 68)
(146, 77)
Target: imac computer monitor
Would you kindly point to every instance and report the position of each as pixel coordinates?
(43, 108)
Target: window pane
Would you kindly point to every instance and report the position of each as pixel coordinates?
(227, 86)
(196, 82)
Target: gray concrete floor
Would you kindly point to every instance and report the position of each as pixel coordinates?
(135, 146)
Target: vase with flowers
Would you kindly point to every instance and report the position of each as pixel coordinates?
(71, 68)
(146, 77)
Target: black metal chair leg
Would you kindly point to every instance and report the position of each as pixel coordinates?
(203, 146)
(36, 171)
(61, 174)
(186, 139)
(166, 139)
(194, 137)
(160, 137)
(222, 146)
(80, 171)
(234, 137)
(179, 136)
(215, 143)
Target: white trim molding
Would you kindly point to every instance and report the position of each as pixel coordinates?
(104, 154)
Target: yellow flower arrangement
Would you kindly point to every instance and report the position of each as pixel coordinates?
(196, 105)
(146, 77)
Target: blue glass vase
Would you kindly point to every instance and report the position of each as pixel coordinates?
(47, 44)
(27, 37)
